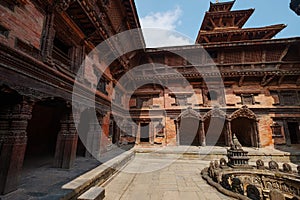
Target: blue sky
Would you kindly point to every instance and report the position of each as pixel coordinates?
(185, 16)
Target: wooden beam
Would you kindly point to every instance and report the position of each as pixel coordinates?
(284, 52)
(280, 79)
(267, 80)
(241, 81)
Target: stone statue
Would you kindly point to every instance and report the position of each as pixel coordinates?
(273, 166)
(223, 162)
(225, 181)
(252, 192)
(237, 186)
(260, 164)
(216, 163)
(235, 143)
(276, 195)
(287, 168)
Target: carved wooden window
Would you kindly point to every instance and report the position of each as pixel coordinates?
(247, 99)
(102, 85)
(61, 52)
(144, 102)
(4, 31)
(276, 130)
(288, 98)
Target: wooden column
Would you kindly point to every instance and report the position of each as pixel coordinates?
(138, 134)
(13, 140)
(177, 132)
(203, 137)
(48, 36)
(229, 133)
(66, 144)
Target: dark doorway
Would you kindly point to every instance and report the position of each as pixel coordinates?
(42, 134)
(294, 132)
(244, 130)
(188, 132)
(215, 131)
(144, 132)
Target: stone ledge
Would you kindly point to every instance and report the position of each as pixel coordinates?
(96, 176)
(94, 193)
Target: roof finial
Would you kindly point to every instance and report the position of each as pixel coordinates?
(217, 1)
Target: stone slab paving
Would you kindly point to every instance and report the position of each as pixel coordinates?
(163, 179)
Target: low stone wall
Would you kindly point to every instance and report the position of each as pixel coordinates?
(97, 176)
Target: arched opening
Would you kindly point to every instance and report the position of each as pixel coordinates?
(244, 126)
(188, 132)
(188, 125)
(215, 131)
(42, 131)
(244, 129)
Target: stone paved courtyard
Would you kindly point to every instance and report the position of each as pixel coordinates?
(177, 179)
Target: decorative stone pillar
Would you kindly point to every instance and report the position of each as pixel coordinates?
(66, 144)
(13, 140)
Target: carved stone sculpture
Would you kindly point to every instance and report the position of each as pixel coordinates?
(287, 168)
(260, 164)
(273, 166)
(237, 186)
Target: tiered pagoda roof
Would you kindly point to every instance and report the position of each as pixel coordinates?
(221, 24)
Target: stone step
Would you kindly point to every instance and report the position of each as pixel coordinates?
(94, 193)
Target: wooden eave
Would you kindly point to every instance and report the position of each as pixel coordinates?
(267, 32)
(241, 17)
(225, 6)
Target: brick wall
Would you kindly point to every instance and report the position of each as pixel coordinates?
(24, 22)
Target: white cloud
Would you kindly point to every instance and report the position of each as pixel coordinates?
(159, 29)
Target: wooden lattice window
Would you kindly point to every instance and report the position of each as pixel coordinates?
(247, 99)
(276, 130)
(288, 98)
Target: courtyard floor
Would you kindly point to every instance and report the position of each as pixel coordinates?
(150, 177)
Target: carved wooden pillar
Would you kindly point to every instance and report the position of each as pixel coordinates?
(177, 132)
(152, 133)
(286, 133)
(13, 140)
(229, 133)
(138, 134)
(257, 138)
(66, 144)
(202, 134)
(48, 36)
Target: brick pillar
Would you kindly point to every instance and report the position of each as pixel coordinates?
(66, 143)
(13, 140)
